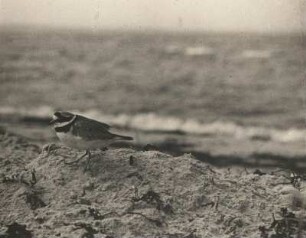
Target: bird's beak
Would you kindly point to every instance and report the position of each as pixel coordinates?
(53, 121)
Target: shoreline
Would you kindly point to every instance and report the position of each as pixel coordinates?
(216, 149)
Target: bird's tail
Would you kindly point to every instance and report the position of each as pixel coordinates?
(123, 137)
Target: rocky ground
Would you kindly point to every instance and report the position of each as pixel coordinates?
(126, 192)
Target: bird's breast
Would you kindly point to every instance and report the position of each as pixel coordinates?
(77, 142)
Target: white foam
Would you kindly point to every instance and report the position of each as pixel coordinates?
(172, 49)
(256, 54)
(153, 122)
(42, 111)
(198, 51)
(190, 51)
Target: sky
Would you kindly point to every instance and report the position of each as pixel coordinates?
(206, 15)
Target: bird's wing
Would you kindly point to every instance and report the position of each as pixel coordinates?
(90, 129)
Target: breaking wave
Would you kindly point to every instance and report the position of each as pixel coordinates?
(191, 51)
(151, 122)
(257, 54)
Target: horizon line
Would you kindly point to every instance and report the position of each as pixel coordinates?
(25, 27)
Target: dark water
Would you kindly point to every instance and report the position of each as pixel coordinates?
(207, 83)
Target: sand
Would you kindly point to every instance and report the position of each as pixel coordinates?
(135, 193)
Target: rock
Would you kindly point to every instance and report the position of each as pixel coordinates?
(158, 196)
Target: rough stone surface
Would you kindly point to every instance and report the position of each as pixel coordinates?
(128, 193)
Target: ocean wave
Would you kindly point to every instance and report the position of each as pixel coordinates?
(151, 122)
(173, 49)
(190, 51)
(199, 51)
(257, 54)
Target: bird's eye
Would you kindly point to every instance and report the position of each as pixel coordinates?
(57, 114)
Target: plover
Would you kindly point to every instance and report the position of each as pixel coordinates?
(76, 131)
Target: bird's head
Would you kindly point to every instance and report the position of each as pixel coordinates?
(61, 117)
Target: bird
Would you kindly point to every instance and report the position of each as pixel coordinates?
(82, 133)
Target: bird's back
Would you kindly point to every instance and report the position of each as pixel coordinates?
(90, 129)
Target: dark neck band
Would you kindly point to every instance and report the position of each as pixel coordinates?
(64, 129)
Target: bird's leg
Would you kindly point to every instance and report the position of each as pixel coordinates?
(88, 160)
(76, 161)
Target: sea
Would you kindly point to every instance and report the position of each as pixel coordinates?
(213, 94)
